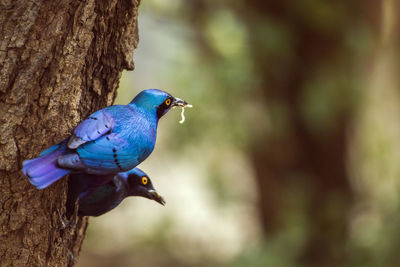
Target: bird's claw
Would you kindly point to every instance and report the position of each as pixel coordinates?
(65, 223)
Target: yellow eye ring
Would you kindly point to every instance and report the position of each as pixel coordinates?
(144, 180)
(168, 102)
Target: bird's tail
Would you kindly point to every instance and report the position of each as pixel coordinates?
(43, 171)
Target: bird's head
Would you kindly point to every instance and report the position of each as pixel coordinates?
(157, 101)
(140, 184)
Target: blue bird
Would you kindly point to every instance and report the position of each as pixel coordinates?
(99, 200)
(111, 140)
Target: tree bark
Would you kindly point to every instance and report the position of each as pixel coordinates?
(59, 62)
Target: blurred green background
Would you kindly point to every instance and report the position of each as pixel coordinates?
(291, 154)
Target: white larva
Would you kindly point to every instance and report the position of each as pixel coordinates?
(183, 115)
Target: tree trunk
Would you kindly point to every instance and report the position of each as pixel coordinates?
(59, 62)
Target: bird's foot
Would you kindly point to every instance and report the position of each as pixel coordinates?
(65, 223)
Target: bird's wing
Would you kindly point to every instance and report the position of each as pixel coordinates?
(109, 153)
(100, 201)
(60, 146)
(95, 126)
(98, 194)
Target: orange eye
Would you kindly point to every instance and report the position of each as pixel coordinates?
(144, 180)
(168, 102)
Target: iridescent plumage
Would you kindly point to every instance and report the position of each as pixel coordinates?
(94, 200)
(112, 140)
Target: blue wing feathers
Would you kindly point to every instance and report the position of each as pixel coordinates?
(61, 146)
(95, 126)
(103, 153)
(48, 150)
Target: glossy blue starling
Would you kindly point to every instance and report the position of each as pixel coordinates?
(112, 140)
(97, 200)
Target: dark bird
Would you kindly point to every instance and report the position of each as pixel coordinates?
(95, 201)
(112, 140)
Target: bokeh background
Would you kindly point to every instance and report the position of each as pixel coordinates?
(291, 154)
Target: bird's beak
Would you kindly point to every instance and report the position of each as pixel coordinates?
(179, 103)
(154, 195)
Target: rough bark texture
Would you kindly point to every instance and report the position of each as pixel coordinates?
(59, 61)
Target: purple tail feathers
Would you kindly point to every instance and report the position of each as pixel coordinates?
(43, 171)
